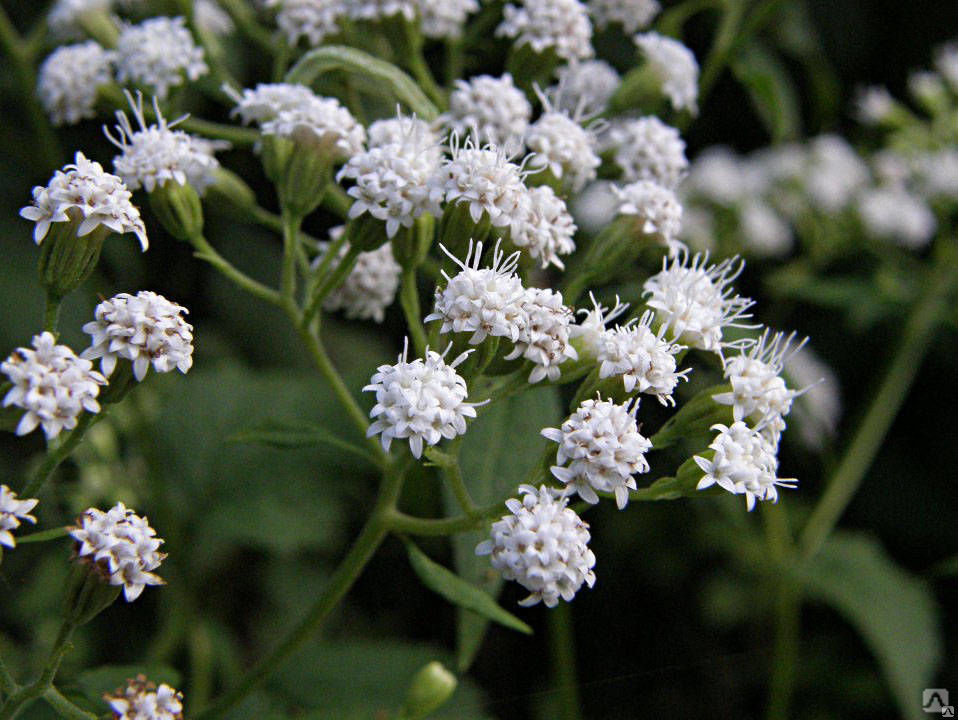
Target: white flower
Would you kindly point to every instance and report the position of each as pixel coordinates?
(595, 207)
(585, 87)
(314, 20)
(676, 67)
(893, 213)
(400, 129)
(720, 176)
(560, 25)
(381, 9)
(694, 301)
(86, 193)
(481, 301)
(142, 700)
(485, 180)
(743, 463)
(68, 81)
(155, 154)
(565, 147)
(764, 232)
(545, 227)
(544, 333)
(759, 393)
(818, 410)
(65, 17)
(632, 15)
(120, 545)
(648, 149)
(13, 510)
(606, 449)
(158, 52)
(926, 87)
(946, 63)
(145, 329)
(211, 18)
(698, 229)
(267, 100)
(52, 384)
(937, 173)
(370, 286)
(443, 19)
(874, 105)
(644, 359)
(656, 210)
(395, 182)
(493, 107)
(835, 173)
(543, 545)
(423, 400)
(589, 332)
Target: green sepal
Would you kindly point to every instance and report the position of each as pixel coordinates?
(179, 208)
(66, 259)
(694, 418)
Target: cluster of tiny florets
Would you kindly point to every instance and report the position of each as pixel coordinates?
(142, 700)
(561, 26)
(648, 149)
(543, 545)
(588, 333)
(68, 80)
(492, 107)
(544, 228)
(158, 53)
(374, 10)
(656, 210)
(314, 20)
(632, 15)
(895, 214)
(676, 67)
(13, 511)
(585, 87)
(65, 18)
(371, 285)
(121, 546)
(564, 147)
(544, 333)
(444, 19)
(146, 329)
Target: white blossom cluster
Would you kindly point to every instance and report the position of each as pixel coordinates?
(444, 19)
(648, 149)
(893, 213)
(371, 285)
(562, 26)
(314, 20)
(656, 210)
(566, 148)
(65, 17)
(121, 546)
(159, 53)
(68, 80)
(492, 107)
(13, 511)
(585, 87)
(143, 700)
(676, 67)
(631, 15)
(544, 228)
(544, 333)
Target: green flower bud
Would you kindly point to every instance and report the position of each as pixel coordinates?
(300, 170)
(179, 209)
(694, 418)
(641, 89)
(230, 190)
(430, 689)
(66, 259)
(88, 593)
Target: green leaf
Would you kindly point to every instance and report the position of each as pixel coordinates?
(771, 89)
(95, 683)
(459, 592)
(335, 57)
(501, 448)
(894, 612)
(294, 435)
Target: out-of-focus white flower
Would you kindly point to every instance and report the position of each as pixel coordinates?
(590, 331)
(937, 173)
(399, 129)
(694, 301)
(84, 192)
(66, 16)
(422, 401)
(644, 359)
(121, 546)
(146, 329)
(545, 228)
(543, 545)
(493, 107)
(544, 333)
(585, 87)
(560, 25)
(655, 208)
(69, 78)
(13, 511)
(835, 173)
(698, 229)
(603, 442)
(267, 100)
(893, 213)
(720, 176)
(946, 63)
(314, 20)
(159, 53)
(371, 285)
(648, 149)
(743, 462)
(874, 105)
(676, 67)
(564, 147)
(481, 301)
(632, 15)
(373, 10)
(142, 700)
(892, 167)
(818, 410)
(443, 19)
(764, 232)
(595, 207)
(155, 154)
(926, 87)
(211, 18)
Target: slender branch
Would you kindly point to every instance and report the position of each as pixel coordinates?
(440, 527)
(238, 136)
(51, 313)
(7, 682)
(287, 284)
(722, 46)
(562, 644)
(56, 456)
(207, 252)
(28, 693)
(44, 535)
(333, 281)
(409, 299)
(64, 708)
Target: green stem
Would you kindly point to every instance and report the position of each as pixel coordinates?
(287, 283)
(916, 342)
(333, 281)
(440, 527)
(562, 643)
(370, 538)
(238, 136)
(7, 682)
(207, 252)
(785, 657)
(409, 299)
(44, 535)
(243, 16)
(51, 313)
(64, 708)
(721, 48)
(28, 693)
(56, 456)
(448, 462)
(336, 201)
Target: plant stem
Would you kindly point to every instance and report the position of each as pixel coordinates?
(44, 535)
(333, 281)
(562, 643)
(56, 456)
(916, 342)
(28, 693)
(51, 313)
(409, 299)
(238, 136)
(785, 657)
(7, 682)
(287, 283)
(722, 45)
(207, 252)
(370, 538)
(64, 708)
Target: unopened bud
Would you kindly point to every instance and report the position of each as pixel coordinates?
(67, 259)
(179, 209)
(430, 689)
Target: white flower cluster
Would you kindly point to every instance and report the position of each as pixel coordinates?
(121, 546)
(835, 173)
(743, 462)
(544, 228)
(65, 18)
(893, 213)
(400, 129)
(656, 210)
(145, 329)
(492, 107)
(588, 333)
(422, 401)
(566, 148)
(676, 67)
(562, 26)
(585, 87)
(632, 15)
(52, 384)
(648, 149)
(603, 443)
(314, 20)
(142, 700)
(13, 511)
(543, 545)
(373, 10)
(371, 285)
(544, 333)
(68, 80)
(159, 53)
(83, 192)
(155, 154)
(443, 19)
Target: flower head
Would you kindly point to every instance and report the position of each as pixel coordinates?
(121, 546)
(565, 147)
(52, 384)
(370, 286)
(656, 210)
(314, 20)
(676, 67)
(874, 105)
(834, 173)
(695, 300)
(743, 462)
(422, 401)
(544, 228)
(764, 232)
(69, 78)
(142, 700)
(818, 410)
(648, 149)
(590, 331)
(84, 192)
(632, 15)
(211, 18)
(373, 10)
(585, 87)
(544, 333)
(895, 214)
(603, 443)
(146, 329)
(66, 16)
(13, 510)
(443, 19)
(404, 129)
(562, 26)
(493, 107)
(543, 545)
(159, 53)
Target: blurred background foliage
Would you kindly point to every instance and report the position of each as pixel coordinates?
(680, 623)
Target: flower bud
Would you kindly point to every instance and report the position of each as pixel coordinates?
(367, 233)
(300, 170)
(179, 209)
(87, 594)
(641, 89)
(231, 190)
(430, 689)
(67, 259)
(695, 418)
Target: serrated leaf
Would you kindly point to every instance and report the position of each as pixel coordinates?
(294, 435)
(771, 89)
(459, 592)
(894, 612)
